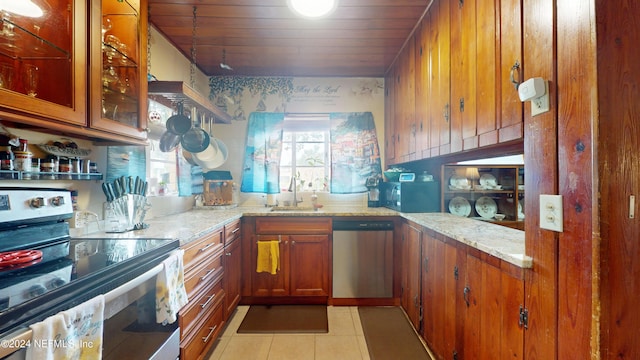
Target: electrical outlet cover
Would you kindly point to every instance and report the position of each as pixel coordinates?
(551, 212)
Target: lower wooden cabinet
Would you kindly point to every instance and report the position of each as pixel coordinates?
(410, 288)
(304, 267)
(202, 319)
(232, 276)
(469, 301)
(303, 263)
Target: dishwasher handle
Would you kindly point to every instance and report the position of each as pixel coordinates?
(362, 225)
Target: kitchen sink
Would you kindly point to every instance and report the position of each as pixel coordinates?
(292, 208)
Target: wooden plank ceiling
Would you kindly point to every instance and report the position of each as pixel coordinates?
(264, 37)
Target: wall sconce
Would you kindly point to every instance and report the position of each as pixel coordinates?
(22, 8)
(535, 90)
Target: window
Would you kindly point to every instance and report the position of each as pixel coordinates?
(162, 165)
(305, 152)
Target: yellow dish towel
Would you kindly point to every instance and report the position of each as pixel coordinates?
(268, 257)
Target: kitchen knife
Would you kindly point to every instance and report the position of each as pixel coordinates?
(138, 186)
(123, 185)
(105, 189)
(117, 188)
(143, 192)
(131, 186)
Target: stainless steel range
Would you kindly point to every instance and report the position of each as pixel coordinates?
(44, 271)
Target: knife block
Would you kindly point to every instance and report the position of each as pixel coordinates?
(126, 213)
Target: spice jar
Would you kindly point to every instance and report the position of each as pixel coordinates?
(93, 167)
(35, 168)
(65, 168)
(6, 163)
(23, 162)
(49, 167)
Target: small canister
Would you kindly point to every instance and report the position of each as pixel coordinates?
(65, 168)
(48, 167)
(35, 168)
(6, 163)
(23, 162)
(77, 165)
(93, 167)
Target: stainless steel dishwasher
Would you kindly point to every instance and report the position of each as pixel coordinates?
(362, 259)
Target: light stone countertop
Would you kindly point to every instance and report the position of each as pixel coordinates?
(502, 242)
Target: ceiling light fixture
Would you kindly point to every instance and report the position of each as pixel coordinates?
(22, 8)
(313, 8)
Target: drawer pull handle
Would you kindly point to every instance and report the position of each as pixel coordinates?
(208, 301)
(228, 254)
(235, 230)
(207, 274)
(211, 331)
(206, 247)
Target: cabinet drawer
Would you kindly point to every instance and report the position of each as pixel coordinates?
(196, 251)
(231, 232)
(199, 307)
(293, 225)
(204, 274)
(195, 346)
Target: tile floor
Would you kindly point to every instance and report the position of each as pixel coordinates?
(344, 340)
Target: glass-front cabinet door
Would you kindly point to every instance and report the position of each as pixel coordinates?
(118, 67)
(43, 60)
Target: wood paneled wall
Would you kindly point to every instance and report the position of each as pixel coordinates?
(541, 177)
(618, 35)
(577, 112)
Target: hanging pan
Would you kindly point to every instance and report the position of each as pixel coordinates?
(169, 141)
(196, 139)
(179, 124)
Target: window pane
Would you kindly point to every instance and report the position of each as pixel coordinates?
(310, 154)
(286, 156)
(315, 136)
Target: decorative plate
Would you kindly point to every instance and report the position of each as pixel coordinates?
(488, 181)
(486, 207)
(65, 152)
(459, 206)
(520, 210)
(459, 182)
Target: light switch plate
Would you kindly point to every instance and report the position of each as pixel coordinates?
(551, 212)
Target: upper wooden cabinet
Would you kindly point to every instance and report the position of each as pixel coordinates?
(43, 64)
(118, 63)
(453, 88)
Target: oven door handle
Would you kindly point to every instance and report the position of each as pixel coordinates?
(125, 288)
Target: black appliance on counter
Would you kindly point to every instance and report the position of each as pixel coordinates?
(373, 191)
(45, 271)
(411, 197)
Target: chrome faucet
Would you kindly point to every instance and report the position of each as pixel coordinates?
(294, 187)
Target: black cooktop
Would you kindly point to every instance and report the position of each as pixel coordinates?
(93, 266)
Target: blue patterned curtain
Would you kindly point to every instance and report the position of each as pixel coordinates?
(261, 170)
(355, 154)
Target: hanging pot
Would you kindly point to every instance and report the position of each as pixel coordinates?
(179, 124)
(169, 141)
(195, 140)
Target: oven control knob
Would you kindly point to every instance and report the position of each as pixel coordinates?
(56, 282)
(37, 202)
(57, 201)
(36, 290)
